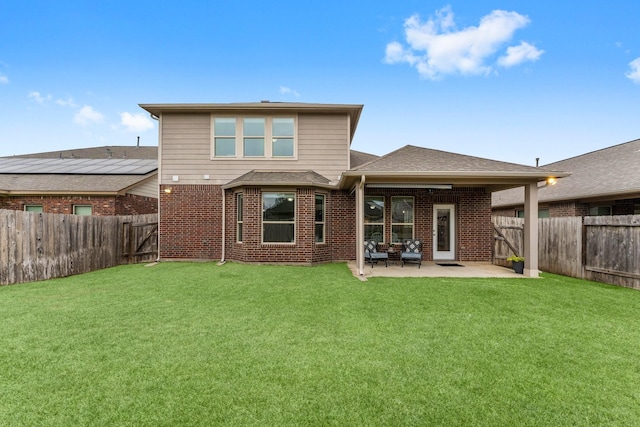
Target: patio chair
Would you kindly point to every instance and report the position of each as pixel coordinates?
(372, 255)
(411, 251)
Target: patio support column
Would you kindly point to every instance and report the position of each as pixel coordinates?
(360, 226)
(531, 230)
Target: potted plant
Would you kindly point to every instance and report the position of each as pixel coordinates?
(517, 262)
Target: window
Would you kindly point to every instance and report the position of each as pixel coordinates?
(224, 137)
(542, 213)
(320, 218)
(33, 208)
(374, 218)
(253, 131)
(278, 217)
(239, 204)
(600, 210)
(82, 209)
(254, 137)
(282, 137)
(401, 219)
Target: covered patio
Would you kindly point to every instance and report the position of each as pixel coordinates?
(432, 269)
(448, 198)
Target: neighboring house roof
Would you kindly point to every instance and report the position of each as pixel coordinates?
(268, 107)
(416, 164)
(77, 166)
(89, 171)
(103, 152)
(359, 158)
(610, 173)
(280, 178)
(50, 184)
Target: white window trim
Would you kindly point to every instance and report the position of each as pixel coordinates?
(239, 217)
(82, 206)
(413, 224)
(268, 138)
(294, 222)
(384, 215)
(24, 208)
(324, 219)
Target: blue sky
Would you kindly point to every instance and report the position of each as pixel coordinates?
(507, 80)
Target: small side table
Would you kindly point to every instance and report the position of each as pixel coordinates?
(394, 255)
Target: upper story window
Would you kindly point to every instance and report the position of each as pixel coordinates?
(224, 137)
(253, 132)
(254, 137)
(282, 137)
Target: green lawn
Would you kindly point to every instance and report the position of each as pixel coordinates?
(201, 344)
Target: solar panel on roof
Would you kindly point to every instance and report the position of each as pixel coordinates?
(77, 166)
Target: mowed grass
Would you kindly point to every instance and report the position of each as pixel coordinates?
(201, 344)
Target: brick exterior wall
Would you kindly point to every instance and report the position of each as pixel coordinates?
(190, 222)
(131, 204)
(191, 226)
(473, 229)
(100, 205)
(196, 232)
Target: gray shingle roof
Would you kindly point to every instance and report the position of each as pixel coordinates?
(103, 152)
(284, 178)
(610, 172)
(411, 158)
(359, 158)
(59, 184)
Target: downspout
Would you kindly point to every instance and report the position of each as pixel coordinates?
(224, 229)
(154, 117)
(360, 226)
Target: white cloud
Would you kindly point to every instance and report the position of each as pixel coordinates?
(4, 79)
(87, 115)
(437, 48)
(634, 72)
(66, 102)
(516, 55)
(38, 97)
(135, 122)
(285, 91)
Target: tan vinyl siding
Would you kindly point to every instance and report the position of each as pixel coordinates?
(323, 146)
(148, 188)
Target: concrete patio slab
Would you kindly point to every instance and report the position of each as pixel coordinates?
(432, 269)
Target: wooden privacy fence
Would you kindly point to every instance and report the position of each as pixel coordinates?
(601, 248)
(39, 246)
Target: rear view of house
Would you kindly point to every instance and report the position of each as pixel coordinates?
(278, 182)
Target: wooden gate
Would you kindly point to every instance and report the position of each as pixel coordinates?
(508, 239)
(140, 241)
